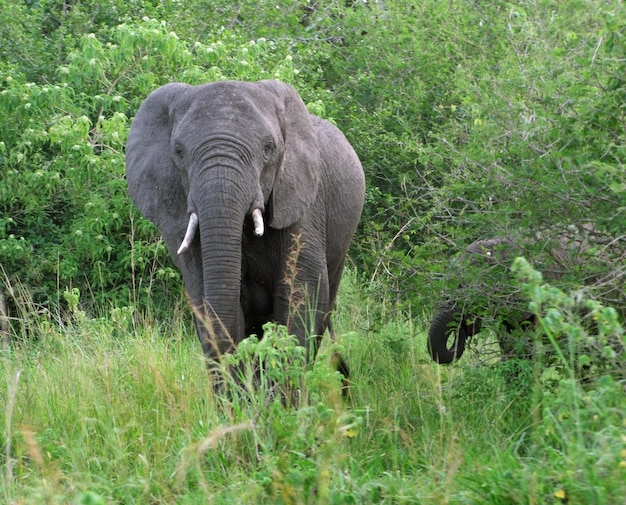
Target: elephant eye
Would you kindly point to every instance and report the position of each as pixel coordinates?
(268, 147)
(179, 151)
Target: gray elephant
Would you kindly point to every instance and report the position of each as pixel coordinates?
(489, 294)
(257, 201)
(461, 317)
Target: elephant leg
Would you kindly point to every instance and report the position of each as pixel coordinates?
(302, 313)
(301, 303)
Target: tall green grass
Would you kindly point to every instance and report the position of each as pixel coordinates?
(122, 410)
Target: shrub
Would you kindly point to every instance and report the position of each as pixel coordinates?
(585, 337)
(68, 221)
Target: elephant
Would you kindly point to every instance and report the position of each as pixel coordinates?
(489, 294)
(257, 201)
(460, 317)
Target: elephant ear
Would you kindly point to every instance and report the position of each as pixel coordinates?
(298, 178)
(153, 181)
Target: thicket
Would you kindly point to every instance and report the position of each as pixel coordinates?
(472, 121)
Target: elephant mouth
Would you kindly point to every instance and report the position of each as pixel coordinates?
(192, 228)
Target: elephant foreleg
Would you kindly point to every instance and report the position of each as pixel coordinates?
(302, 305)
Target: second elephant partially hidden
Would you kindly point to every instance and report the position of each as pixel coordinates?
(461, 317)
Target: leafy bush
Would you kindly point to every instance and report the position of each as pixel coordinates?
(586, 337)
(68, 220)
(472, 121)
(491, 120)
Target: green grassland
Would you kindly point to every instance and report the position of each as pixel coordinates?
(123, 410)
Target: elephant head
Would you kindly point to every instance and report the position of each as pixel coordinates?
(488, 294)
(206, 163)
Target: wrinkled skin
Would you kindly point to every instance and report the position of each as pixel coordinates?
(225, 152)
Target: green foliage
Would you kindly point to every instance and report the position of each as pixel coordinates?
(481, 121)
(471, 120)
(300, 425)
(586, 336)
(66, 219)
(93, 424)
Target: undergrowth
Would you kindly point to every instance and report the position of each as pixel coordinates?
(104, 410)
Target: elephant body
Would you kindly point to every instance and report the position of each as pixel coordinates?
(488, 294)
(256, 199)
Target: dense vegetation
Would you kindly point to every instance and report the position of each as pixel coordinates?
(472, 120)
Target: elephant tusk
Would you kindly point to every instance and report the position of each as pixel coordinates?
(257, 219)
(192, 227)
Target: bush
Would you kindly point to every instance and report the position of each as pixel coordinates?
(472, 121)
(68, 221)
(491, 120)
(585, 337)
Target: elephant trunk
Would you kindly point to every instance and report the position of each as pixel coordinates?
(222, 207)
(447, 322)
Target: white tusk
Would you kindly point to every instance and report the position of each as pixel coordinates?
(257, 219)
(189, 234)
